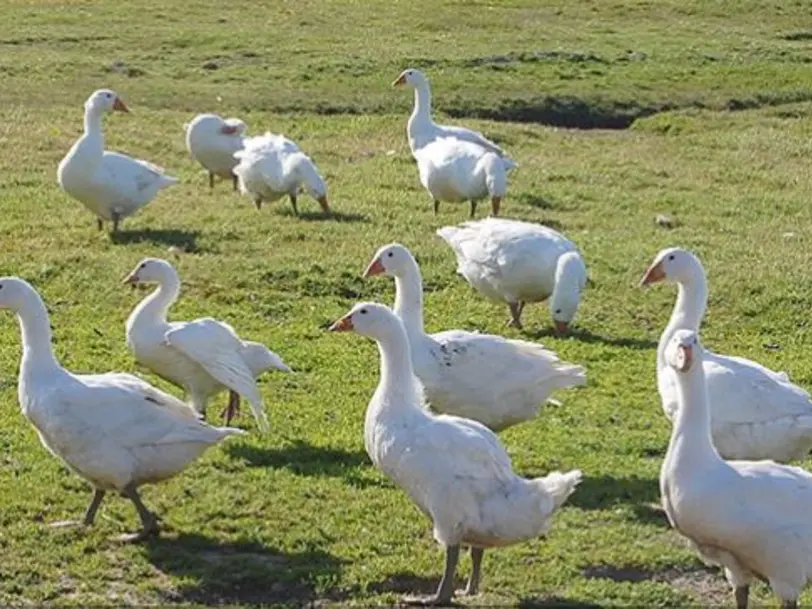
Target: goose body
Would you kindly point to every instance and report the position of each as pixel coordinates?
(750, 517)
(272, 166)
(114, 430)
(111, 185)
(212, 141)
(756, 413)
(519, 262)
(455, 470)
(204, 356)
(487, 378)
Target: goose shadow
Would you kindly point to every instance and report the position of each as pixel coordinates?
(214, 572)
(304, 459)
(186, 240)
(324, 216)
(536, 201)
(588, 337)
(601, 492)
(528, 602)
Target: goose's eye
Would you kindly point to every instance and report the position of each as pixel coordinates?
(390, 254)
(1, 286)
(108, 95)
(558, 311)
(671, 257)
(143, 266)
(363, 311)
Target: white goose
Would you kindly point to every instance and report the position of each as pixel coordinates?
(518, 262)
(455, 470)
(755, 413)
(272, 166)
(457, 170)
(212, 142)
(421, 128)
(114, 430)
(488, 378)
(111, 185)
(750, 517)
(204, 356)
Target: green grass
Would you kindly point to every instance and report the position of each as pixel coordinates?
(300, 514)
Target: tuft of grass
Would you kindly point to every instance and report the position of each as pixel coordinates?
(300, 515)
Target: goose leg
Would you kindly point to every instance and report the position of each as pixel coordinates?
(258, 202)
(741, 593)
(148, 519)
(293, 202)
(235, 182)
(90, 514)
(476, 562)
(116, 218)
(515, 314)
(495, 203)
(99, 224)
(232, 408)
(436, 206)
(473, 209)
(211, 180)
(793, 604)
(446, 588)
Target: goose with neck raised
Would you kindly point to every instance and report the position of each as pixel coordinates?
(212, 141)
(491, 379)
(111, 185)
(519, 262)
(455, 470)
(750, 517)
(421, 128)
(115, 430)
(204, 356)
(272, 166)
(755, 413)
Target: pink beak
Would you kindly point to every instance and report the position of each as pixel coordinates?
(375, 268)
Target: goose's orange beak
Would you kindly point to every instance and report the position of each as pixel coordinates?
(561, 327)
(401, 80)
(120, 105)
(654, 274)
(375, 268)
(325, 206)
(131, 279)
(686, 358)
(342, 325)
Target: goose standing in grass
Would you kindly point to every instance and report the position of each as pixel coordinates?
(114, 430)
(456, 170)
(750, 517)
(488, 378)
(111, 185)
(755, 413)
(518, 262)
(212, 142)
(455, 470)
(421, 128)
(204, 356)
(272, 166)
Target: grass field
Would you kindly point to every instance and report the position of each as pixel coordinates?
(300, 514)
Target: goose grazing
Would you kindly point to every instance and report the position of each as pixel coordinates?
(111, 185)
(488, 378)
(755, 413)
(456, 170)
(518, 262)
(454, 469)
(750, 517)
(212, 142)
(272, 166)
(421, 128)
(204, 356)
(114, 430)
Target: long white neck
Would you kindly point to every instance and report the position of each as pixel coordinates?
(691, 446)
(35, 326)
(92, 142)
(420, 120)
(692, 299)
(409, 300)
(397, 392)
(153, 308)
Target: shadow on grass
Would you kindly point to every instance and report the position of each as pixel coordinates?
(301, 458)
(588, 337)
(536, 201)
(410, 584)
(600, 492)
(217, 573)
(321, 216)
(554, 601)
(186, 240)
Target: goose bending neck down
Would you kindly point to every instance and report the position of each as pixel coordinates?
(756, 413)
(114, 430)
(454, 469)
(750, 517)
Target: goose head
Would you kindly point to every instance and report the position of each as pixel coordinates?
(150, 270)
(103, 101)
(394, 260)
(671, 264)
(411, 77)
(368, 319)
(570, 278)
(14, 293)
(683, 352)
